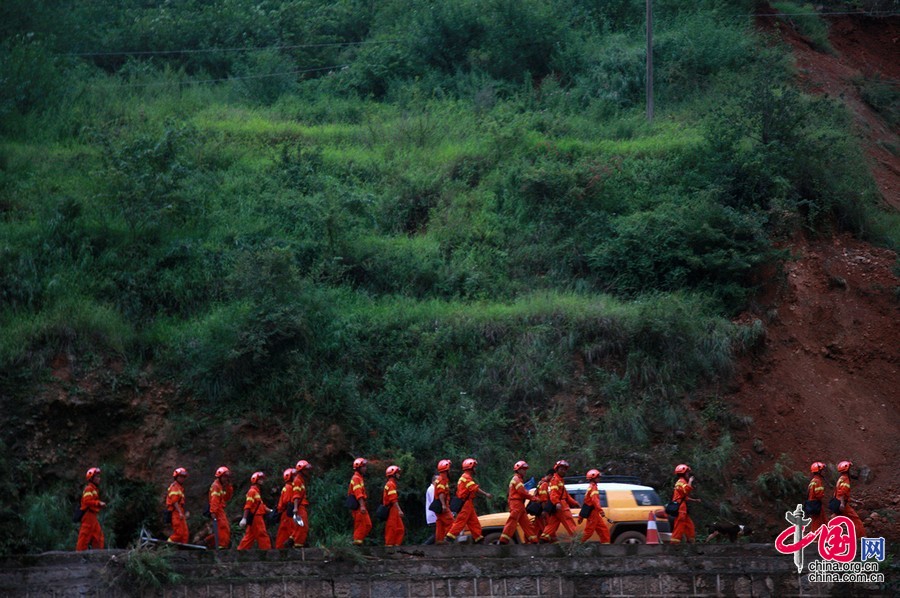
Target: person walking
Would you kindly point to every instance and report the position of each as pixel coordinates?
(815, 493)
(175, 505)
(253, 520)
(561, 504)
(430, 516)
(444, 519)
(596, 519)
(285, 508)
(466, 490)
(515, 500)
(684, 486)
(842, 493)
(300, 496)
(542, 495)
(394, 530)
(90, 534)
(362, 522)
(220, 492)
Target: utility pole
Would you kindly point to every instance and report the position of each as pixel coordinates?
(650, 60)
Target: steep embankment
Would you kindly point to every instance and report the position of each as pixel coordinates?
(825, 383)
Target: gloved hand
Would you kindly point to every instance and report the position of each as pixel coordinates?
(243, 522)
(580, 519)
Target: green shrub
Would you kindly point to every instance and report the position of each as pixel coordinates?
(803, 17)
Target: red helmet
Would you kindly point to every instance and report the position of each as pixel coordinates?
(561, 463)
(444, 465)
(301, 465)
(257, 476)
(843, 466)
(288, 474)
(91, 473)
(817, 467)
(592, 475)
(222, 471)
(680, 469)
(179, 471)
(520, 465)
(469, 464)
(359, 462)
(392, 470)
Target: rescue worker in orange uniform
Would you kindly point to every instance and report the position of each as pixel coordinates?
(842, 493)
(362, 523)
(816, 491)
(684, 525)
(466, 490)
(300, 498)
(175, 504)
(515, 500)
(442, 493)
(596, 522)
(220, 492)
(559, 497)
(89, 534)
(254, 517)
(542, 494)
(285, 508)
(394, 530)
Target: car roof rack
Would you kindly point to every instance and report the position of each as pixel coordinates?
(608, 479)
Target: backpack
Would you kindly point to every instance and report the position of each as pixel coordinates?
(586, 511)
(534, 507)
(672, 508)
(834, 505)
(436, 507)
(351, 503)
(456, 504)
(812, 507)
(78, 514)
(382, 512)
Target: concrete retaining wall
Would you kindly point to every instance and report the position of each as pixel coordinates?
(414, 571)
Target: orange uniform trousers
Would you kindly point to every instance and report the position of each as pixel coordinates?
(224, 531)
(817, 521)
(683, 527)
(301, 531)
(560, 517)
(89, 534)
(362, 525)
(853, 516)
(466, 518)
(286, 529)
(256, 533)
(394, 530)
(442, 526)
(179, 529)
(518, 516)
(596, 524)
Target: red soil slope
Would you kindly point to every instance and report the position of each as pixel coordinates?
(826, 384)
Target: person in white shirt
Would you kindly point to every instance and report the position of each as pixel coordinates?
(430, 517)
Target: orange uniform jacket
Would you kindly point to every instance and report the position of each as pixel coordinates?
(816, 491)
(90, 533)
(362, 522)
(445, 519)
(175, 496)
(842, 492)
(394, 530)
(300, 499)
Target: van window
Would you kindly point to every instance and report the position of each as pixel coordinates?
(646, 498)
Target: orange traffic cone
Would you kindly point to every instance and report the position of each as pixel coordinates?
(652, 533)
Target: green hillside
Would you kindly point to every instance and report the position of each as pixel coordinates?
(416, 221)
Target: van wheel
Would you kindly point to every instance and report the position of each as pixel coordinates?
(630, 538)
(492, 538)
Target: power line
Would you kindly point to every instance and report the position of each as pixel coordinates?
(212, 50)
(236, 78)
